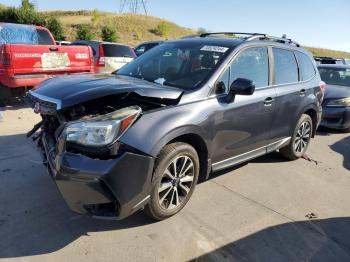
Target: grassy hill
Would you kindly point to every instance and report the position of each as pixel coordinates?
(132, 29)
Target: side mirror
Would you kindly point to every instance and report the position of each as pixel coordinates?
(241, 86)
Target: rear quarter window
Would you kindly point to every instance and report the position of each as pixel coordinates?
(111, 50)
(286, 68)
(306, 67)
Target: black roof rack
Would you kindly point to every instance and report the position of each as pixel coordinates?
(256, 36)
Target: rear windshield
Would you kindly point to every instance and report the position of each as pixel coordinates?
(112, 50)
(335, 76)
(24, 34)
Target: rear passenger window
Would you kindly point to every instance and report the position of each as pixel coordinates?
(286, 69)
(306, 67)
(252, 64)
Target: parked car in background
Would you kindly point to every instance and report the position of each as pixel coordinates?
(144, 47)
(29, 55)
(329, 61)
(108, 57)
(336, 105)
(63, 43)
(143, 136)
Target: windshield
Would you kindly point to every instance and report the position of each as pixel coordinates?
(182, 64)
(335, 76)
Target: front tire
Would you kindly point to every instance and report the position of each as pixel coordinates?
(300, 139)
(174, 180)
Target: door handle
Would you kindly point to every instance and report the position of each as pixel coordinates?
(53, 48)
(302, 92)
(268, 101)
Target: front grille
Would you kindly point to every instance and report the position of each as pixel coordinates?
(45, 107)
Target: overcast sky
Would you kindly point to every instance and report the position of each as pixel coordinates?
(317, 23)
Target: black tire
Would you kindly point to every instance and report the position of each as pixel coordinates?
(292, 151)
(163, 187)
(5, 95)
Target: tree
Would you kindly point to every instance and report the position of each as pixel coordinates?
(26, 4)
(84, 32)
(201, 30)
(55, 28)
(109, 34)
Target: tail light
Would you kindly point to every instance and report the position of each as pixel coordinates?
(5, 58)
(323, 86)
(101, 57)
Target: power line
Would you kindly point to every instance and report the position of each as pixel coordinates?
(133, 6)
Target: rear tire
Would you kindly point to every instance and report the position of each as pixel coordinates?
(5, 95)
(174, 180)
(300, 139)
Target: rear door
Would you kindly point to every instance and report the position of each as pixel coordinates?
(243, 127)
(290, 94)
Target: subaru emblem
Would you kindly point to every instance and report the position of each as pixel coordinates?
(36, 108)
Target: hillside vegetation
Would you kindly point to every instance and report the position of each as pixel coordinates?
(131, 29)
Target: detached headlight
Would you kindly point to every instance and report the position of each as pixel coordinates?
(102, 130)
(339, 102)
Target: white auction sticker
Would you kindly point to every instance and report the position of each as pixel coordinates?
(211, 48)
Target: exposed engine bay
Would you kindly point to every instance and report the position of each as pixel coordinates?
(54, 122)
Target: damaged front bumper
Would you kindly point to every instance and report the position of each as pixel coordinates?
(110, 189)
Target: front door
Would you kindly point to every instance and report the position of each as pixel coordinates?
(242, 128)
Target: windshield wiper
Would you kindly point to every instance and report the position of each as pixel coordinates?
(166, 83)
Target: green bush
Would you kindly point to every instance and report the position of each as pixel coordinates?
(26, 14)
(162, 29)
(109, 34)
(56, 28)
(84, 32)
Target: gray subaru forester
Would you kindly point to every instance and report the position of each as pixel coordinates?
(141, 137)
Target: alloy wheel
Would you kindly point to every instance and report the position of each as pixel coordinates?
(176, 182)
(302, 137)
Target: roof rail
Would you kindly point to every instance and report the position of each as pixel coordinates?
(256, 36)
(230, 33)
(283, 39)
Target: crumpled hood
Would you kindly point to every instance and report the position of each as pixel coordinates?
(336, 92)
(71, 90)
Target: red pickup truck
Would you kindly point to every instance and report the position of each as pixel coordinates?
(29, 55)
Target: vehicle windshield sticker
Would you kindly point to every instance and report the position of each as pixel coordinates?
(160, 81)
(211, 48)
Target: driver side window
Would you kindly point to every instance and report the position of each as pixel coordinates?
(252, 64)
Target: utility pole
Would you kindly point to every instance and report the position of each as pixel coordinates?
(133, 6)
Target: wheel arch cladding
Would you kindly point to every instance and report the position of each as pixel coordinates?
(313, 114)
(198, 143)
